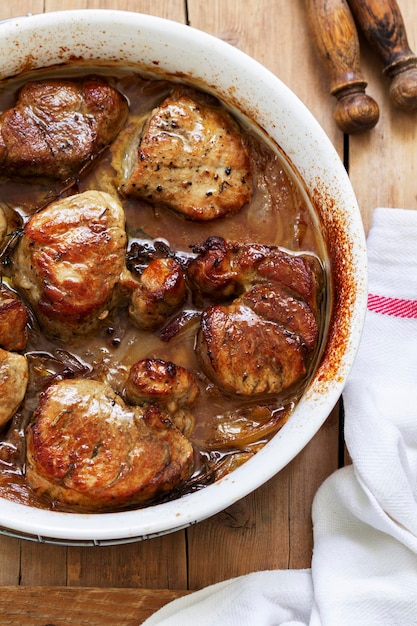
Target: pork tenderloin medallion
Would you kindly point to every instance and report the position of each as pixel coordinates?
(59, 126)
(192, 158)
(87, 448)
(13, 383)
(69, 261)
(223, 269)
(248, 354)
(158, 294)
(170, 386)
(262, 339)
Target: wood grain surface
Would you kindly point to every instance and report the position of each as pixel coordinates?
(45, 584)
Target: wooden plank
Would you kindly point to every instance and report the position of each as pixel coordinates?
(35, 606)
(9, 561)
(43, 564)
(252, 534)
(15, 8)
(56, 5)
(173, 10)
(307, 472)
(154, 563)
(383, 162)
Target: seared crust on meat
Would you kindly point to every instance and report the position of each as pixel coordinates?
(86, 447)
(191, 158)
(163, 382)
(58, 126)
(262, 340)
(13, 383)
(246, 354)
(14, 318)
(279, 305)
(160, 293)
(155, 381)
(225, 269)
(69, 261)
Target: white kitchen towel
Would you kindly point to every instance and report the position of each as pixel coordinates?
(364, 565)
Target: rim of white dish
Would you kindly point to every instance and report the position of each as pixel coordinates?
(150, 41)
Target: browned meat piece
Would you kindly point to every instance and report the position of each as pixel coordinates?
(224, 269)
(69, 261)
(246, 354)
(86, 447)
(58, 126)
(260, 342)
(13, 383)
(191, 158)
(160, 293)
(14, 318)
(277, 304)
(154, 381)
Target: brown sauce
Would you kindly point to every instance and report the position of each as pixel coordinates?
(228, 430)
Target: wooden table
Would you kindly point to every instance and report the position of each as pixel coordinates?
(271, 528)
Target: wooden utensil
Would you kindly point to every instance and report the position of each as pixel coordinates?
(336, 39)
(383, 25)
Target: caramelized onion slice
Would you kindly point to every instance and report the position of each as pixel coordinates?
(245, 427)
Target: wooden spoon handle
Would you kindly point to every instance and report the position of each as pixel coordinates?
(336, 39)
(383, 25)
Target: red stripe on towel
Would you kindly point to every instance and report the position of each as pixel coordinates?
(392, 306)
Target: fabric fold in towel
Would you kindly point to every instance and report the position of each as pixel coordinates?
(364, 565)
